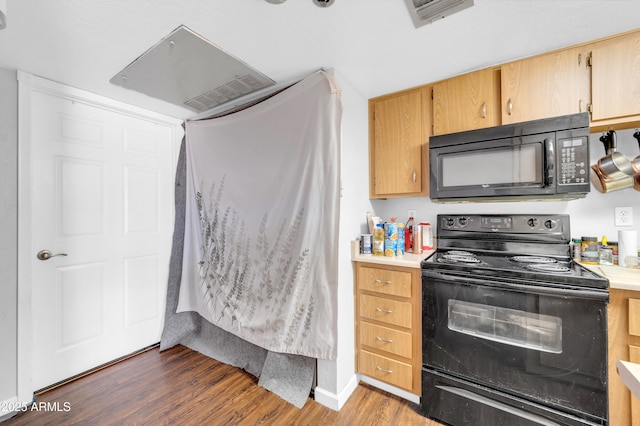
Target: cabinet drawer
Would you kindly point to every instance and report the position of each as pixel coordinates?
(397, 283)
(386, 369)
(386, 310)
(634, 317)
(386, 339)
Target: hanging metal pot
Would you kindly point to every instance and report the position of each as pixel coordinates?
(603, 184)
(615, 165)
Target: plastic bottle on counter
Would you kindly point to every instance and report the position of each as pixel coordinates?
(408, 235)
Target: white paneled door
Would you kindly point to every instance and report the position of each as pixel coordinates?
(101, 187)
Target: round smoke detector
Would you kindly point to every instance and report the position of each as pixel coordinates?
(323, 3)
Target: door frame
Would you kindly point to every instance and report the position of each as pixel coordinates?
(27, 83)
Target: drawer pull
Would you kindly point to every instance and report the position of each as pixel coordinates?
(383, 281)
(384, 311)
(384, 340)
(383, 370)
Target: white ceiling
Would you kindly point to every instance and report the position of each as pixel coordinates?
(372, 44)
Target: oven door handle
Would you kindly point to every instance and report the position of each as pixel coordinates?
(581, 293)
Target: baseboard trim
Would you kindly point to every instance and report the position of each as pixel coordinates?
(333, 400)
(391, 389)
(95, 369)
(8, 408)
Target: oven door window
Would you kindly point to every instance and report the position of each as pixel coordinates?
(509, 326)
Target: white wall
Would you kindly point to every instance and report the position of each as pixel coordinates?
(591, 216)
(337, 379)
(8, 236)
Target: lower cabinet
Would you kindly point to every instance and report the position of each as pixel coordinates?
(388, 324)
(624, 344)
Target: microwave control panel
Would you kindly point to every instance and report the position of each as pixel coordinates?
(573, 154)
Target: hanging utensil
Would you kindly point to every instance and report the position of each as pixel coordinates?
(635, 163)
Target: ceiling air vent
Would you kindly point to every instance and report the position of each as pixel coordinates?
(187, 70)
(426, 11)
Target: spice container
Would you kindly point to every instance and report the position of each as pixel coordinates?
(589, 250)
(366, 241)
(575, 249)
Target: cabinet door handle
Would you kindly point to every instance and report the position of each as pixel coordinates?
(414, 176)
(384, 311)
(382, 339)
(384, 370)
(509, 106)
(383, 281)
(580, 105)
(484, 110)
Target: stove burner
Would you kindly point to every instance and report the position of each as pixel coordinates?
(533, 259)
(458, 256)
(458, 259)
(459, 253)
(548, 267)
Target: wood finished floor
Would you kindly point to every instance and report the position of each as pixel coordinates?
(183, 387)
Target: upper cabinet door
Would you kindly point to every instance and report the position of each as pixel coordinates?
(545, 86)
(616, 77)
(466, 102)
(396, 144)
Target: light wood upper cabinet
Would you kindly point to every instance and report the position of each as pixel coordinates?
(548, 85)
(616, 77)
(466, 102)
(398, 144)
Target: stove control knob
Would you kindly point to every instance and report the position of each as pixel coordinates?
(532, 222)
(449, 222)
(550, 224)
(462, 221)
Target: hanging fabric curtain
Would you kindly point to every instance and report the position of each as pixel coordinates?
(262, 212)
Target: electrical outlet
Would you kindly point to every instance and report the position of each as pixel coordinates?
(411, 213)
(624, 216)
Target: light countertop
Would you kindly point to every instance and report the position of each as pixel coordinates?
(408, 260)
(619, 277)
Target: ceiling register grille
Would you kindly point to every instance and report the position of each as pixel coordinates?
(185, 69)
(426, 11)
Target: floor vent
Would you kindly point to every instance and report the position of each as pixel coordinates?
(426, 11)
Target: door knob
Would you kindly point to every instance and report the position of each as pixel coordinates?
(46, 255)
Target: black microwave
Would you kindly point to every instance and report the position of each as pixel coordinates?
(540, 159)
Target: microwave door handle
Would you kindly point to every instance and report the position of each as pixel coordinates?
(549, 162)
